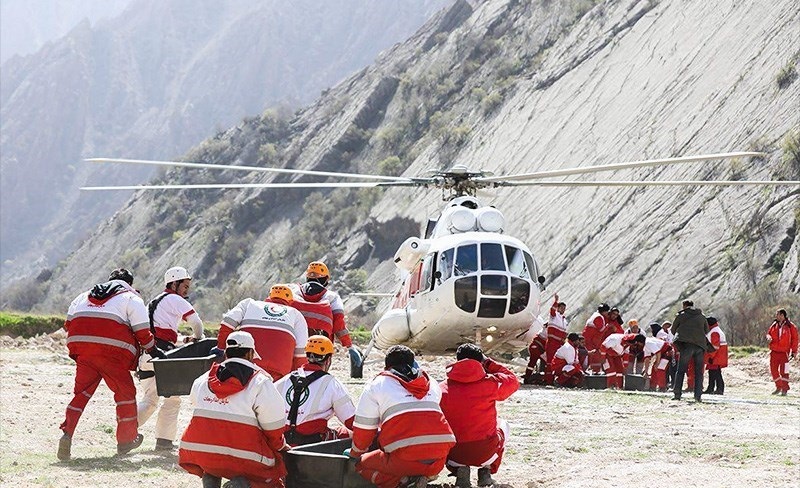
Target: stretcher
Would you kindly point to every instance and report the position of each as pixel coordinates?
(322, 465)
(183, 365)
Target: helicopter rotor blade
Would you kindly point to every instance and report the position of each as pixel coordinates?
(618, 166)
(182, 164)
(226, 186)
(650, 183)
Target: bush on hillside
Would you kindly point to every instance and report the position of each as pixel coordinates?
(25, 325)
(746, 318)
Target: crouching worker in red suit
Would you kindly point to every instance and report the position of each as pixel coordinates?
(566, 364)
(236, 431)
(401, 407)
(106, 328)
(474, 384)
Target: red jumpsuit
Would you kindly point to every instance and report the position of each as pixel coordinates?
(536, 350)
(468, 401)
(784, 342)
(566, 366)
(594, 333)
(556, 335)
(615, 348)
(237, 426)
(105, 329)
(413, 435)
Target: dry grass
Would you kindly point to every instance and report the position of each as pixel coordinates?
(559, 438)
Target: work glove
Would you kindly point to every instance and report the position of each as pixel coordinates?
(349, 453)
(219, 353)
(156, 353)
(355, 355)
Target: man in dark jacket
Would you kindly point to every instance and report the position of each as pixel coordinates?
(690, 328)
(474, 384)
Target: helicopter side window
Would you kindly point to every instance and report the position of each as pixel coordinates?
(466, 260)
(426, 277)
(492, 257)
(445, 267)
(516, 263)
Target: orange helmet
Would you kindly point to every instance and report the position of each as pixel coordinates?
(319, 345)
(318, 270)
(281, 292)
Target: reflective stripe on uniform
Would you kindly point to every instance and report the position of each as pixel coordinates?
(105, 340)
(318, 316)
(369, 423)
(266, 324)
(228, 451)
(410, 407)
(142, 326)
(342, 332)
(100, 315)
(230, 417)
(420, 439)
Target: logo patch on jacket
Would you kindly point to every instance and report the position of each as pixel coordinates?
(275, 310)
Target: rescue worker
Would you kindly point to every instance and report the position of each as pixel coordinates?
(566, 363)
(166, 312)
(782, 338)
(716, 359)
(665, 333)
(536, 353)
(618, 348)
(594, 333)
(106, 328)
(474, 385)
(323, 308)
(657, 353)
(401, 407)
(312, 396)
(636, 365)
(279, 330)
(556, 335)
(583, 354)
(236, 430)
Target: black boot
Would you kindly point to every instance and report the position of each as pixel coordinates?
(211, 481)
(485, 477)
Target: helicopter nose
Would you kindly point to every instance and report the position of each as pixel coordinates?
(493, 295)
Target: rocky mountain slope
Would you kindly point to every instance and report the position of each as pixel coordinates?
(26, 26)
(153, 82)
(510, 86)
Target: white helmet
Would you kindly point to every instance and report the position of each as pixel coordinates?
(176, 274)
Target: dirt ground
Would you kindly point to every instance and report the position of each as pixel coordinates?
(560, 438)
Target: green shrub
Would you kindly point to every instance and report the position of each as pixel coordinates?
(28, 325)
(491, 102)
(786, 75)
(391, 166)
(360, 335)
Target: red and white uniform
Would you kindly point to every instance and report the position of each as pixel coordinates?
(326, 398)
(106, 327)
(536, 351)
(414, 437)
(665, 335)
(660, 350)
(468, 401)
(236, 427)
(718, 358)
(280, 333)
(323, 313)
(566, 366)
(784, 341)
(169, 313)
(556, 336)
(615, 347)
(594, 332)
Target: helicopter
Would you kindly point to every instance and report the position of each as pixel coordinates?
(464, 279)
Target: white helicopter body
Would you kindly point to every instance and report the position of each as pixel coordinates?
(467, 282)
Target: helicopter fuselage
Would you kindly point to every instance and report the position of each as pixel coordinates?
(464, 287)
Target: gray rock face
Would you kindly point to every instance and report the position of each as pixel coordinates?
(153, 82)
(516, 87)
